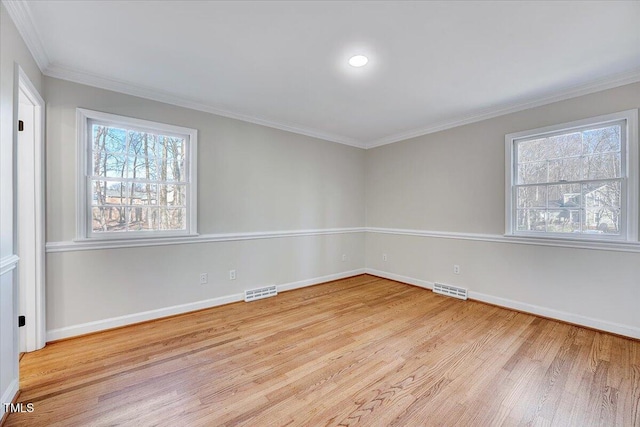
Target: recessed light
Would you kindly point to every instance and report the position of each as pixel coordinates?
(358, 61)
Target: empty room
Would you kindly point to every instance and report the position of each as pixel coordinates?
(319, 213)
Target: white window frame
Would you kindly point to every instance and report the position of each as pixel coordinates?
(630, 185)
(83, 188)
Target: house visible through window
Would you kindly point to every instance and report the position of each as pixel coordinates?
(578, 179)
(138, 176)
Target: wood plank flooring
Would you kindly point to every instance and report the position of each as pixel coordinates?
(359, 351)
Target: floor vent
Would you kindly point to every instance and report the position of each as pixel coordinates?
(452, 291)
(259, 293)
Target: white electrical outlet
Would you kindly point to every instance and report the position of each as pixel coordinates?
(232, 275)
(204, 278)
(456, 269)
(384, 257)
(344, 257)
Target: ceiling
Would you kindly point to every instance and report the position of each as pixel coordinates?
(432, 65)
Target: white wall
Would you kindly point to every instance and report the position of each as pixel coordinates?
(452, 183)
(252, 179)
(12, 51)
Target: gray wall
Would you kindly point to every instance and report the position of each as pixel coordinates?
(13, 51)
(452, 182)
(252, 179)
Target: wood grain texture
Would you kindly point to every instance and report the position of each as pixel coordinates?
(359, 351)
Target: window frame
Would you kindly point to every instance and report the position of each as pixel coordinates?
(84, 154)
(629, 179)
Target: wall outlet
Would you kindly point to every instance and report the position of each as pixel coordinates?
(232, 275)
(384, 257)
(204, 278)
(344, 257)
(456, 269)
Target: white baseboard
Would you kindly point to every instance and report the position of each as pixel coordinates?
(318, 280)
(590, 322)
(9, 394)
(129, 319)
(602, 325)
(398, 278)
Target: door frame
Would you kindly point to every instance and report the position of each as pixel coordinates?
(35, 326)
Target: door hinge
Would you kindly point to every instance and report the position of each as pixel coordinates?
(20, 125)
(22, 320)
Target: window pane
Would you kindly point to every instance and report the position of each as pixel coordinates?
(566, 145)
(115, 166)
(602, 140)
(108, 219)
(602, 220)
(569, 169)
(172, 219)
(554, 147)
(532, 197)
(531, 220)
(603, 195)
(143, 218)
(530, 151)
(144, 194)
(173, 195)
(109, 139)
(108, 193)
(142, 144)
(141, 167)
(564, 195)
(602, 166)
(563, 221)
(532, 173)
(172, 170)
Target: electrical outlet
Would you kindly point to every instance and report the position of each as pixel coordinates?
(204, 278)
(384, 257)
(344, 257)
(232, 275)
(456, 269)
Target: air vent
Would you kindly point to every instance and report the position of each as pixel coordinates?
(452, 291)
(259, 293)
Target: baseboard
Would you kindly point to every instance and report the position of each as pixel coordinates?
(398, 278)
(9, 396)
(576, 319)
(318, 280)
(116, 322)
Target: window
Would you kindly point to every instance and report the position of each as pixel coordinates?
(575, 180)
(137, 178)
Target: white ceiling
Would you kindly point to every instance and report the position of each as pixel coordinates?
(432, 65)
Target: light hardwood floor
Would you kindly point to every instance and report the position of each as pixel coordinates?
(359, 351)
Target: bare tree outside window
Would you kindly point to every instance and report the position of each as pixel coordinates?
(138, 181)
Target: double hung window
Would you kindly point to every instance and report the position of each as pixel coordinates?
(137, 177)
(577, 180)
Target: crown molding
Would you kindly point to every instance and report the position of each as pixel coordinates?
(107, 83)
(20, 14)
(605, 83)
(102, 82)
